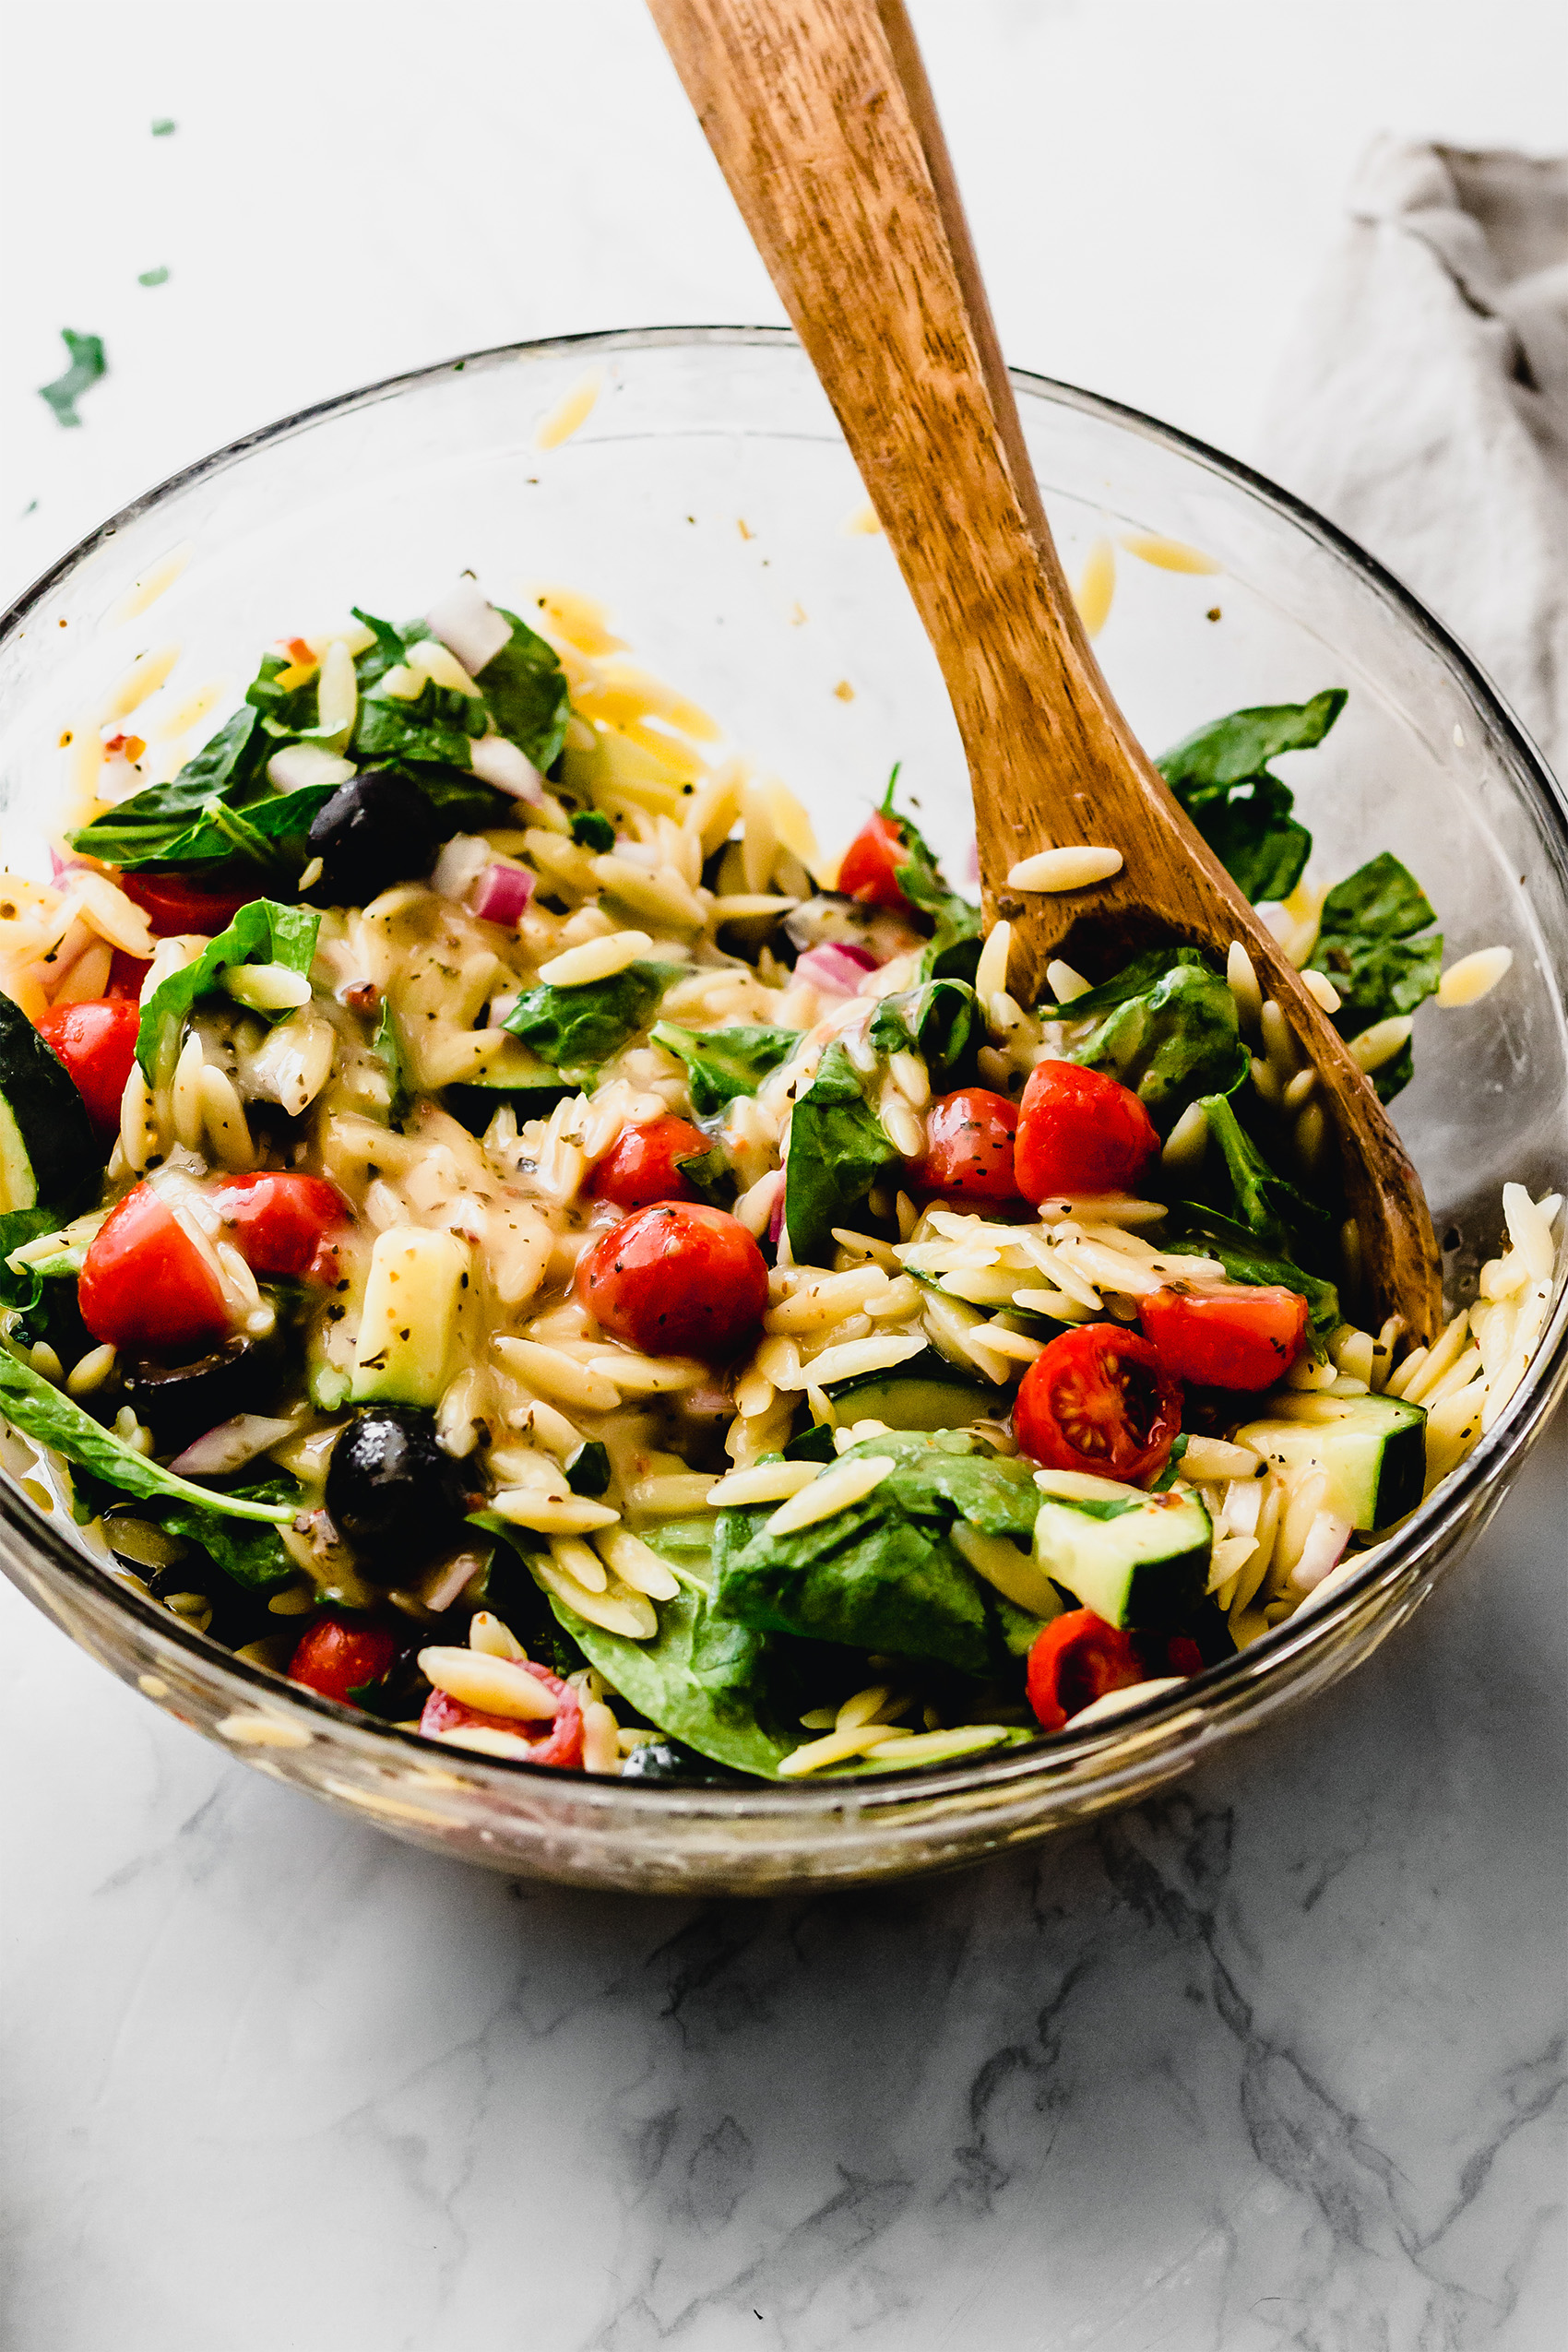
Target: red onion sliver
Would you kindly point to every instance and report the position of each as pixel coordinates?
(775, 1222)
(502, 893)
(837, 970)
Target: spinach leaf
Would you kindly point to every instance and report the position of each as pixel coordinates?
(884, 1574)
(387, 651)
(88, 363)
(710, 1174)
(269, 837)
(262, 932)
(140, 830)
(22, 1287)
(1221, 777)
(388, 1047)
(838, 1149)
(1270, 1207)
(43, 1411)
(722, 1064)
(288, 712)
(1209, 1235)
(250, 1554)
(434, 726)
(1367, 946)
(526, 689)
(954, 949)
(591, 829)
(940, 1022)
(577, 1029)
(1171, 1038)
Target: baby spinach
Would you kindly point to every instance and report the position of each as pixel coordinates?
(249, 1554)
(1270, 1207)
(710, 1174)
(433, 726)
(939, 1021)
(591, 829)
(526, 689)
(722, 1064)
(262, 932)
(953, 951)
(1169, 1031)
(1368, 947)
(142, 830)
(22, 1287)
(838, 1149)
(388, 1047)
(577, 1029)
(884, 1574)
(1208, 1234)
(1221, 777)
(88, 363)
(43, 1411)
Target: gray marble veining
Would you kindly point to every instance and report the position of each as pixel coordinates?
(1276, 2061)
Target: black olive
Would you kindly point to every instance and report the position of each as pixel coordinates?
(391, 1492)
(178, 1402)
(375, 831)
(669, 1759)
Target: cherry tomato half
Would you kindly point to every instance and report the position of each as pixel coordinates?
(279, 1220)
(171, 904)
(869, 868)
(1243, 1337)
(1077, 1660)
(144, 1284)
(339, 1655)
(1098, 1400)
(676, 1280)
(969, 1149)
(560, 1742)
(640, 1168)
(97, 1042)
(1080, 1132)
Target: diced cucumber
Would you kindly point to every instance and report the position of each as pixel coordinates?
(925, 1392)
(1144, 1562)
(1373, 1449)
(47, 1147)
(416, 1281)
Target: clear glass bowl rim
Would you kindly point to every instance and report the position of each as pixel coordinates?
(1240, 1688)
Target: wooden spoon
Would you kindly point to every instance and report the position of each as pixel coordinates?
(822, 120)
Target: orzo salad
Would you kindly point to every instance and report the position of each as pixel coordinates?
(501, 1230)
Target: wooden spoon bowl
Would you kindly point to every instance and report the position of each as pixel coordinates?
(822, 120)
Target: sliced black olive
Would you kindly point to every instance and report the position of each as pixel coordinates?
(391, 1492)
(375, 831)
(670, 1760)
(178, 1402)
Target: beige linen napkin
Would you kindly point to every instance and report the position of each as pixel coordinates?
(1424, 403)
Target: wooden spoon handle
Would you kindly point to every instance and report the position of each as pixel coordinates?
(822, 119)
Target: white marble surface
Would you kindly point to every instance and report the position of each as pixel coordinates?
(1275, 2061)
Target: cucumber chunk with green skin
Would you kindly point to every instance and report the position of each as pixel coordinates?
(1373, 1449)
(923, 1392)
(46, 1140)
(1144, 1561)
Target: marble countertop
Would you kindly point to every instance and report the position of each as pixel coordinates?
(1277, 2059)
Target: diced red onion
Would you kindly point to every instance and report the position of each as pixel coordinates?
(971, 861)
(502, 893)
(835, 969)
(775, 1222)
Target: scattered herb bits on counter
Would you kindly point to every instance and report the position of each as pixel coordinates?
(497, 1227)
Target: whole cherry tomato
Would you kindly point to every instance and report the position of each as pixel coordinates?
(676, 1280)
(339, 1655)
(145, 1284)
(1098, 1400)
(869, 868)
(97, 1042)
(171, 904)
(1080, 1132)
(1077, 1660)
(1242, 1337)
(279, 1220)
(640, 1165)
(560, 1742)
(969, 1148)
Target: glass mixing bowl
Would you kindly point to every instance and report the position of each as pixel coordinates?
(709, 501)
